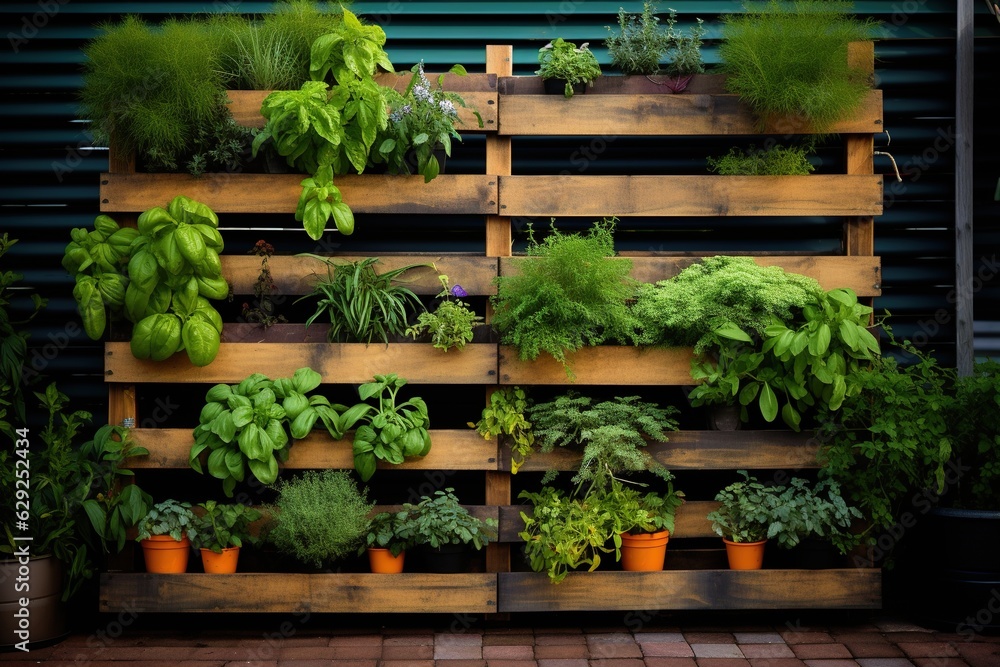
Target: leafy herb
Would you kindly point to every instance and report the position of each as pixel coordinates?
(560, 59)
(773, 160)
(684, 51)
(221, 526)
(168, 517)
(750, 510)
(976, 427)
(817, 511)
(439, 519)
(550, 305)
(451, 323)
(393, 431)
(640, 43)
(389, 530)
(506, 415)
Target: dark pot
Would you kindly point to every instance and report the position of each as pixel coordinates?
(446, 559)
(411, 159)
(275, 164)
(811, 553)
(725, 418)
(46, 610)
(558, 87)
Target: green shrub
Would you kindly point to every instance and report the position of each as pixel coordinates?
(320, 517)
(790, 58)
(551, 305)
(773, 160)
(640, 42)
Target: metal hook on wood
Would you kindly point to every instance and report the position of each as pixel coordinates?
(899, 179)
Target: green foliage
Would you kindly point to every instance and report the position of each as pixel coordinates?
(640, 42)
(173, 271)
(303, 125)
(750, 510)
(392, 431)
(389, 530)
(241, 427)
(551, 305)
(168, 517)
(688, 307)
(801, 366)
(320, 517)
(300, 22)
(155, 90)
(264, 309)
(505, 415)
(321, 200)
(451, 323)
(684, 51)
(13, 346)
(354, 51)
(220, 526)
(975, 422)
(115, 502)
(440, 519)
(611, 433)
(892, 436)
(790, 58)
(422, 119)
(817, 511)
(560, 59)
(774, 160)
(362, 304)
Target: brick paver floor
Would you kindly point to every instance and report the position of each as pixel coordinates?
(636, 639)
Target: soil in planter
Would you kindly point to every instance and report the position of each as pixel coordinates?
(558, 87)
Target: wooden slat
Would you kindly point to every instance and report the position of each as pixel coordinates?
(279, 193)
(451, 449)
(350, 363)
(703, 450)
(853, 588)
(861, 274)
(691, 196)
(473, 593)
(603, 365)
(689, 522)
(245, 109)
(661, 115)
(610, 84)
(296, 275)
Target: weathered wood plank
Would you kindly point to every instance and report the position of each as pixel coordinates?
(346, 363)
(473, 593)
(691, 196)
(472, 194)
(661, 115)
(700, 84)
(853, 588)
(245, 108)
(296, 275)
(603, 365)
(861, 274)
(451, 449)
(703, 450)
(689, 522)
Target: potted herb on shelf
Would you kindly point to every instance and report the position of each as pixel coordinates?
(640, 43)
(816, 523)
(446, 531)
(644, 545)
(165, 534)
(565, 68)
(748, 516)
(220, 531)
(389, 535)
(451, 323)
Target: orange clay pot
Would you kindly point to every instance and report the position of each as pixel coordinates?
(222, 563)
(383, 562)
(745, 555)
(644, 552)
(165, 555)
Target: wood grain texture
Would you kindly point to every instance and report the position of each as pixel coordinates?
(703, 450)
(854, 588)
(659, 115)
(603, 365)
(689, 522)
(360, 593)
(348, 363)
(472, 194)
(296, 275)
(245, 107)
(451, 449)
(691, 196)
(609, 84)
(859, 231)
(862, 274)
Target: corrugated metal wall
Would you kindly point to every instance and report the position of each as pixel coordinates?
(50, 168)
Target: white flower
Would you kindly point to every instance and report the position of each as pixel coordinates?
(447, 107)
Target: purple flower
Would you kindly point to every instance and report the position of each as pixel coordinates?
(459, 292)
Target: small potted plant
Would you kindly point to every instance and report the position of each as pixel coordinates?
(452, 322)
(644, 545)
(389, 535)
(641, 44)
(506, 415)
(747, 518)
(447, 531)
(815, 523)
(566, 68)
(165, 534)
(220, 531)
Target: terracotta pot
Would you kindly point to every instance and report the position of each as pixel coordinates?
(46, 610)
(165, 555)
(221, 563)
(745, 555)
(644, 552)
(383, 562)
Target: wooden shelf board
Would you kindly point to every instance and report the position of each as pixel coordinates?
(660, 115)
(347, 363)
(849, 588)
(363, 593)
(451, 449)
(689, 522)
(602, 365)
(472, 194)
(691, 196)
